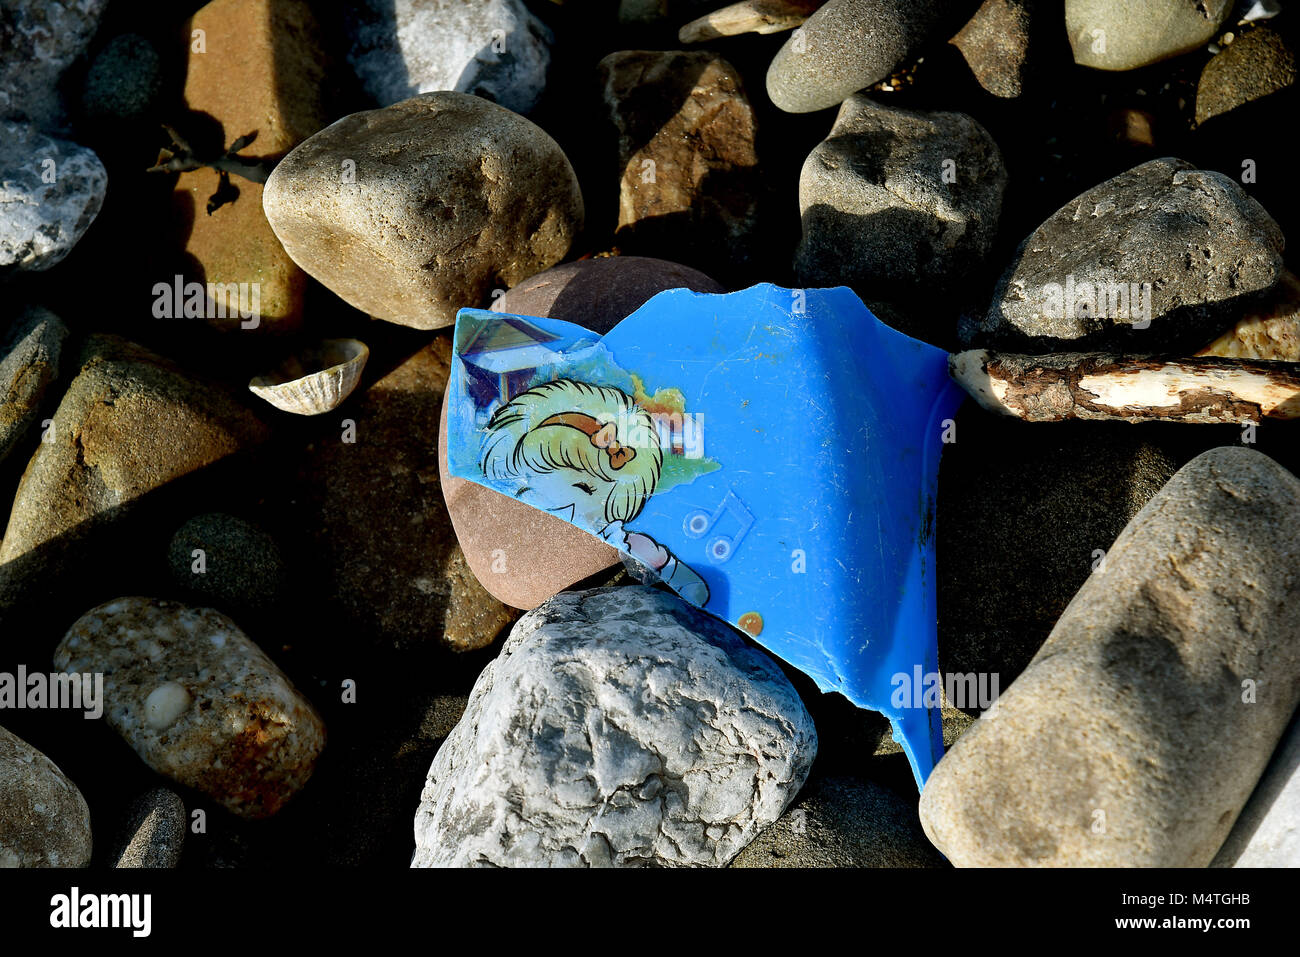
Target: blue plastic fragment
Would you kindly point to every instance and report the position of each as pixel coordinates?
(771, 454)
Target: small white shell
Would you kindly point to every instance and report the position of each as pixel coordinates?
(317, 381)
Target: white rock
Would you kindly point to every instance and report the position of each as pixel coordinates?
(495, 49)
(618, 727)
(50, 192)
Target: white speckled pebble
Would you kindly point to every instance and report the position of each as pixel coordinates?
(198, 701)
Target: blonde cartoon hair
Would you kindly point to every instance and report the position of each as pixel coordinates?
(575, 425)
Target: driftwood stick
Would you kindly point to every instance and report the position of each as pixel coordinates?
(1100, 385)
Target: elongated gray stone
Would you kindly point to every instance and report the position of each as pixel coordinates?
(845, 46)
(155, 833)
(618, 727)
(1185, 637)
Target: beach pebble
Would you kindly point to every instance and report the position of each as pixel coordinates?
(155, 831)
(843, 822)
(895, 201)
(618, 727)
(239, 565)
(1197, 248)
(29, 362)
(845, 46)
(996, 43)
(521, 554)
(44, 820)
(412, 211)
(1124, 36)
(1258, 63)
(382, 545)
(129, 424)
(39, 40)
(198, 701)
(495, 49)
(50, 192)
(124, 82)
(1185, 638)
(688, 175)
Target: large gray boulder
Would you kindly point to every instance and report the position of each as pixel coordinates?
(897, 200)
(618, 727)
(1163, 256)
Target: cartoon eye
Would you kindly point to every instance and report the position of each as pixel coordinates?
(589, 489)
(520, 493)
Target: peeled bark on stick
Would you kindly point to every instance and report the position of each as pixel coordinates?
(1100, 385)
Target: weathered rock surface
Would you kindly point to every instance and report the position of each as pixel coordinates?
(495, 49)
(124, 82)
(198, 701)
(50, 192)
(261, 71)
(1269, 331)
(521, 554)
(155, 832)
(128, 424)
(415, 210)
(238, 565)
(618, 727)
(1258, 63)
(29, 362)
(845, 46)
(1267, 832)
(894, 200)
(39, 40)
(1161, 256)
(1099, 385)
(383, 544)
(1184, 637)
(688, 173)
(44, 820)
(842, 822)
(996, 43)
(1124, 36)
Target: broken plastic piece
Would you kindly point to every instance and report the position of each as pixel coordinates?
(772, 455)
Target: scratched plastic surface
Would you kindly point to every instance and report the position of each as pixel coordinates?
(793, 492)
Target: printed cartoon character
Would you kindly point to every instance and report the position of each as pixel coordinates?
(565, 444)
